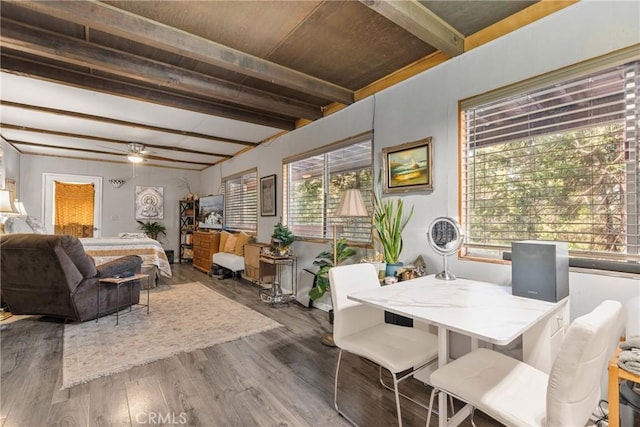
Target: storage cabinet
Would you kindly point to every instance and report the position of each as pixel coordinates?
(205, 244)
(188, 225)
(254, 270)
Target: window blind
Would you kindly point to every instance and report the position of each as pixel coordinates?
(314, 186)
(241, 202)
(559, 162)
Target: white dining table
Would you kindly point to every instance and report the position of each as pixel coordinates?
(480, 310)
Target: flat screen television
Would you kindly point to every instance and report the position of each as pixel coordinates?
(211, 212)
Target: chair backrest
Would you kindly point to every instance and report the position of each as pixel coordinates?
(351, 316)
(573, 390)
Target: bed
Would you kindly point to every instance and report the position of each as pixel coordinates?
(154, 259)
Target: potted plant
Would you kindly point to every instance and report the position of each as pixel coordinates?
(324, 260)
(152, 229)
(389, 222)
(281, 239)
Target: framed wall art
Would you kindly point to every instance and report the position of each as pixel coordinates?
(149, 202)
(268, 195)
(408, 167)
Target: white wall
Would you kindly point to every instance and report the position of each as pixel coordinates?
(427, 105)
(10, 164)
(118, 203)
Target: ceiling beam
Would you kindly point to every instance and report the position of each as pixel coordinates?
(110, 140)
(87, 150)
(121, 23)
(48, 72)
(422, 23)
(118, 122)
(14, 35)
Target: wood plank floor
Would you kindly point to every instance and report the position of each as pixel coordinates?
(281, 377)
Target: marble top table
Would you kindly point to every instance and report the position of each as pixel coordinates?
(477, 309)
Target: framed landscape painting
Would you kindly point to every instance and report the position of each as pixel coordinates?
(408, 167)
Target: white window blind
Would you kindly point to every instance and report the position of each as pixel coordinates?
(314, 185)
(241, 202)
(558, 162)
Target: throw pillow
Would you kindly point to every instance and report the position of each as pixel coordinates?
(15, 225)
(224, 235)
(242, 239)
(230, 244)
(35, 224)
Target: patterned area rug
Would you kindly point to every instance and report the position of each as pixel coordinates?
(183, 318)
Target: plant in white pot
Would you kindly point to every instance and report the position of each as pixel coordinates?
(389, 222)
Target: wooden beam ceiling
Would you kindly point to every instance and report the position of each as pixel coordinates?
(109, 86)
(139, 29)
(14, 35)
(109, 140)
(111, 121)
(422, 23)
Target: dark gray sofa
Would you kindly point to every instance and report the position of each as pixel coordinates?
(52, 275)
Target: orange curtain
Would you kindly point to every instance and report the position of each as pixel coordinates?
(74, 209)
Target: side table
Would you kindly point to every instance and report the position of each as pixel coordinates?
(275, 295)
(118, 282)
(617, 374)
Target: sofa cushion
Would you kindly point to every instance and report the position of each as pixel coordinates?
(230, 244)
(243, 238)
(224, 235)
(231, 261)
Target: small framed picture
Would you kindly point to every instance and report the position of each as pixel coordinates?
(268, 195)
(408, 167)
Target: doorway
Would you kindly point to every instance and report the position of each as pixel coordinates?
(48, 186)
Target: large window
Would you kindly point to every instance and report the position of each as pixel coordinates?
(241, 202)
(557, 160)
(314, 183)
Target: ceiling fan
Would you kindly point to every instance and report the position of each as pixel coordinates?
(135, 152)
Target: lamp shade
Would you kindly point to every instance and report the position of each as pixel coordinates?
(20, 208)
(352, 204)
(6, 205)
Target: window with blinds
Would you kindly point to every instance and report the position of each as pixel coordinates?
(241, 202)
(314, 183)
(557, 162)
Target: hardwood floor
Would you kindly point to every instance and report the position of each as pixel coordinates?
(282, 377)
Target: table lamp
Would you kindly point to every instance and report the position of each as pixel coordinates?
(6, 204)
(351, 205)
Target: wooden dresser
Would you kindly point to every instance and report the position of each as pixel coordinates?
(205, 244)
(254, 270)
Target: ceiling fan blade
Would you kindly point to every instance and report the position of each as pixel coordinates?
(111, 149)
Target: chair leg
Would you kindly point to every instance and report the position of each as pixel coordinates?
(335, 385)
(434, 391)
(395, 391)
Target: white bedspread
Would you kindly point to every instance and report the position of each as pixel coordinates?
(105, 249)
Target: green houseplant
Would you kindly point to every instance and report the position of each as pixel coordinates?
(153, 229)
(324, 260)
(281, 239)
(389, 222)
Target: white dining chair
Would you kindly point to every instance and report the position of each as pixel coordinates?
(361, 330)
(517, 394)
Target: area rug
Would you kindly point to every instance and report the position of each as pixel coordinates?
(183, 318)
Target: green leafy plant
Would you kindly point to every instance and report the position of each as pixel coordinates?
(324, 260)
(389, 222)
(282, 235)
(152, 229)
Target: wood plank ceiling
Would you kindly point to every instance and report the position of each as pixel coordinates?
(197, 82)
